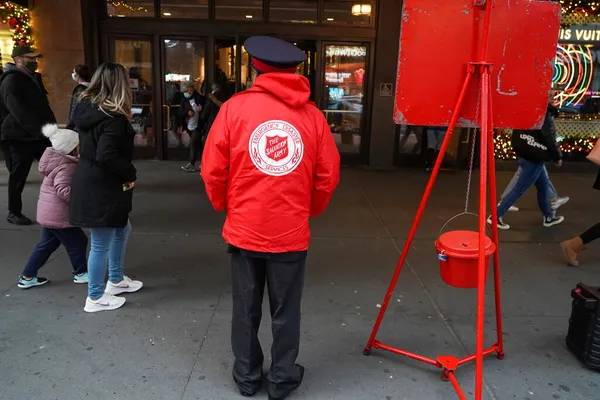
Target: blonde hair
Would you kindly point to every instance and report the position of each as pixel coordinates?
(110, 89)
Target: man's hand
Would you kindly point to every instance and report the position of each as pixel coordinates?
(559, 163)
(191, 113)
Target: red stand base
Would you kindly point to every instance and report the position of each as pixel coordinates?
(448, 364)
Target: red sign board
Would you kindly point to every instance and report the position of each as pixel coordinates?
(438, 40)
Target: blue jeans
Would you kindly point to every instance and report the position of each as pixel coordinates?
(107, 248)
(511, 185)
(532, 173)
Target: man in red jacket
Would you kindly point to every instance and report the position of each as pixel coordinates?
(271, 162)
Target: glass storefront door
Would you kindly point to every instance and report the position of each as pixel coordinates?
(136, 56)
(344, 93)
(184, 64)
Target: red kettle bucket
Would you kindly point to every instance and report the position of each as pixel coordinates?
(458, 253)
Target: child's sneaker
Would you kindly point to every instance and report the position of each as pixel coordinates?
(33, 282)
(501, 224)
(551, 221)
(105, 303)
(81, 278)
(125, 286)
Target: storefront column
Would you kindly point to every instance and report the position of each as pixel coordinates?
(57, 32)
(384, 70)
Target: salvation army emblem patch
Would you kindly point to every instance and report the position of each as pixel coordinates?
(276, 148)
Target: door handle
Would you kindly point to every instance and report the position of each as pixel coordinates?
(168, 117)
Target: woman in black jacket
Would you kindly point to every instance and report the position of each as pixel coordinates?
(82, 75)
(102, 186)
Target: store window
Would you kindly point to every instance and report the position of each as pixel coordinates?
(130, 8)
(247, 10)
(344, 12)
(299, 11)
(136, 56)
(184, 9)
(576, 84)
(344, 94)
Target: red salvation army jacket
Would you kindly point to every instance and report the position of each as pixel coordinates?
(271, 162)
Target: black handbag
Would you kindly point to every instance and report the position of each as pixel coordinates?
(527, 145)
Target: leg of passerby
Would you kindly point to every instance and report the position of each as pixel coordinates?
(530, 172)
(195, 147)
(556, 201)
(285, 279)
(510, 187)
(248, 276)
(48, 244)
(574, 246)
(98, 299)
(542, 185)
(18, 158)
(118, 282)
(75, 242)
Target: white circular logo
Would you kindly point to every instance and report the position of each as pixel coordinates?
(276, 148)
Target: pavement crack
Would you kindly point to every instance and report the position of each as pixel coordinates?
(197, 356)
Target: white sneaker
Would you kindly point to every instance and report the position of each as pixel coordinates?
(501, 224)
(512, 208)
(559, 202)
(125, 286)
(105, 303)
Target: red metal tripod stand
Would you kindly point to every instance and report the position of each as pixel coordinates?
(478, 69)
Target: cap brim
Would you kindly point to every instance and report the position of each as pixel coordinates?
(33, 55)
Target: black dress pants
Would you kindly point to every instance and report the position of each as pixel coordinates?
(284, 275)
(19, 156)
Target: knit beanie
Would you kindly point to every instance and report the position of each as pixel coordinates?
(63, 140)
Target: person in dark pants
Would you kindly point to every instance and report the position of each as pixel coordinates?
(271, 162)
(57, 165)
(192, 104)
(571, 248)
(24, 110)
(214, 101)
(82, 75)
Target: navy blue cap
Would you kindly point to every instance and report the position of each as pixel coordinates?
(274, 52)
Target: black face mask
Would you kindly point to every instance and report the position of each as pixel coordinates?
(32, 66)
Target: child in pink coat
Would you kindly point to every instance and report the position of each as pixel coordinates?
(58, 165)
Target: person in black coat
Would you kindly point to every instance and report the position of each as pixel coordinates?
(24, 110)
(103, 183)
(214, 101)
(192, 104)
(82, 75)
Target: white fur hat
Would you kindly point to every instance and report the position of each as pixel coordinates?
(63, 140)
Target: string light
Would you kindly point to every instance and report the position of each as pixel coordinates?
(571, 145)
(18, 19)
(123, 4)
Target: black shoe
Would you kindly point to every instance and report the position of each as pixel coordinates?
(18, 219)
(296, 386)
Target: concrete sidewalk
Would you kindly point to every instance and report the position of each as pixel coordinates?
(171, 340)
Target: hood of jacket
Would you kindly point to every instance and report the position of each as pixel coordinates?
(292, 89)
(52, 159)
(11, 68)
(86, 115)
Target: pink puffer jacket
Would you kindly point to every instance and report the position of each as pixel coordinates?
(53, 205)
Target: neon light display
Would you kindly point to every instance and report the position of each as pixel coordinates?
(573, 71)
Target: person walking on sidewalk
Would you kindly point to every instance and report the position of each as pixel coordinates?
(271, 162)
(556, 201)
(102, 189)
(24, 110)
(571, 248)
(57, 165)
(533, 149)
(191, 106)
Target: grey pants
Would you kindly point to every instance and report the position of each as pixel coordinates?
(284, 276)
(552, 194)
